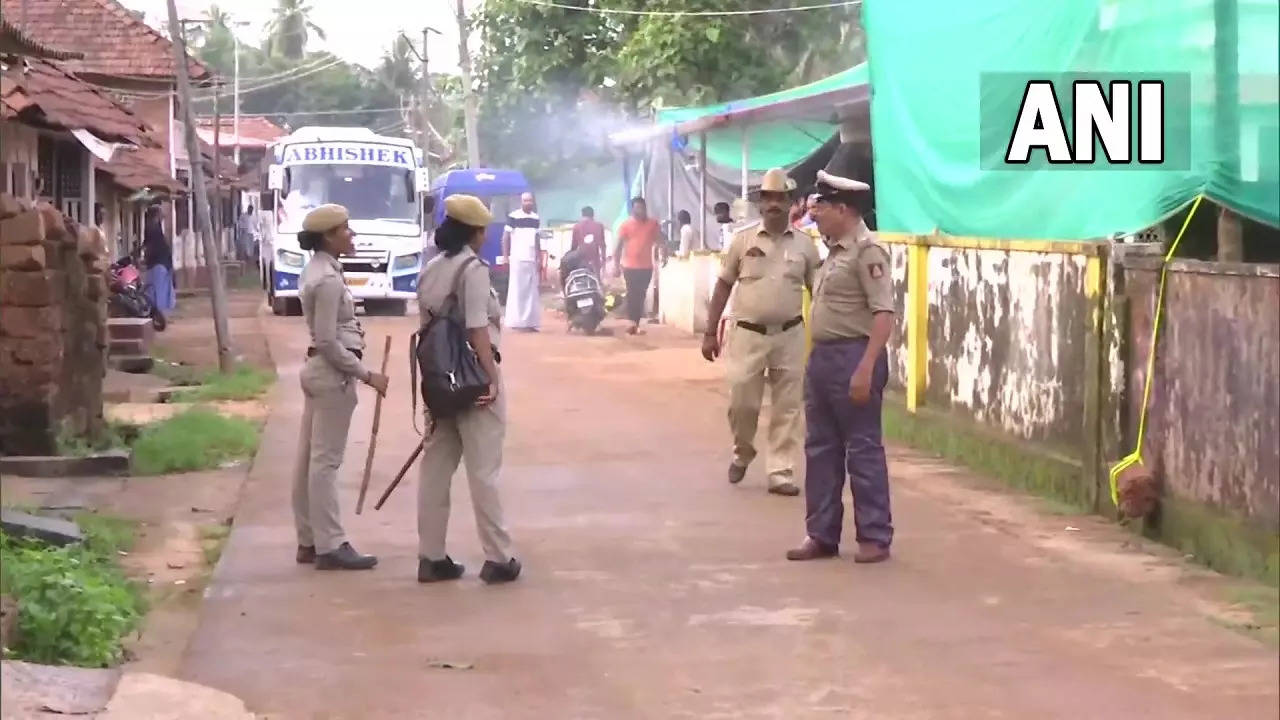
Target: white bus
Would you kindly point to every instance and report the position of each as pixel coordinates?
(381, 182)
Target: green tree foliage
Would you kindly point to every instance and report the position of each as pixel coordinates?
(290, 28)
(552, 81)
(285, 87)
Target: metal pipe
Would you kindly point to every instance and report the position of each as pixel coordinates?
(746, 163)
(702, 191)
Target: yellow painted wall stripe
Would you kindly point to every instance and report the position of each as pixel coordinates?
(917, 324)
(1061, 247)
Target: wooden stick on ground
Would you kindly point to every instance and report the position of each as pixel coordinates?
(373, 437)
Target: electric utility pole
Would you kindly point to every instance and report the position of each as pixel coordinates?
(468, 95)
(212, 258)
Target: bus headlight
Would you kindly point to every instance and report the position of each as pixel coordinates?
(405, 262)
(290, 259)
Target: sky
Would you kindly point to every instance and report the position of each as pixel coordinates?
(358, 31)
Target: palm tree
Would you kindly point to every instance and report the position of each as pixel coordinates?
(289, 29)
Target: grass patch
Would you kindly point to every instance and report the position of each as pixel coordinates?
(213, 538)
(243, 383)
(1017, 464)
(75, 604)
(114, 436)
(176, 373)
(198, 439)
(1226, 543)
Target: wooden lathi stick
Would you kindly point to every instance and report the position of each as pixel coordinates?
(400, 475)
(373, 436)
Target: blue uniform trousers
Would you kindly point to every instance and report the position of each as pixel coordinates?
(840, 437)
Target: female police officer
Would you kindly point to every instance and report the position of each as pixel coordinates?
(474, 435)
(328, 384)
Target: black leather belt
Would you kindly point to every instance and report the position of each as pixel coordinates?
(765, 329)
(312, 352)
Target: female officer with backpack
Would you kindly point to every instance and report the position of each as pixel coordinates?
(455, 283)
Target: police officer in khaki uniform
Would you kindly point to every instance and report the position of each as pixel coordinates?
(770, 264)
(474, 436)
(851, 320)
(329, 385)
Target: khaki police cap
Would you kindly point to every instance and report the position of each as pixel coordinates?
(325, 218)
(775, 180)
(468, 210)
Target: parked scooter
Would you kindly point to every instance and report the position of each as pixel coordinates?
(584, 302)
(128, 294)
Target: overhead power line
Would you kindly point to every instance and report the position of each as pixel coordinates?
(689, 13)
(321, 112)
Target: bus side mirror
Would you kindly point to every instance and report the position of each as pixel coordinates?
(275, 177)
(421, 180)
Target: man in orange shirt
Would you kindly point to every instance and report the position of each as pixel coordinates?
(639, 238)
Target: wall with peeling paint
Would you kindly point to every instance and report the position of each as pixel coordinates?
(1007, 335)
(1213, 425)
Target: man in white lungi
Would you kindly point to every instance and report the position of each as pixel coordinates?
(523, 253)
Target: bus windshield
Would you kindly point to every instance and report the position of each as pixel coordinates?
(369, 192)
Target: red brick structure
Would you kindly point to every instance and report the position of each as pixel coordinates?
(53, 317)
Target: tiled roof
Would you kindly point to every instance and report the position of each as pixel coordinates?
(13, 40)
(254, 131)
(114, 42)
(142, 168)
(43, 93)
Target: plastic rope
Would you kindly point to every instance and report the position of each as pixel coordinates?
(1135, 457)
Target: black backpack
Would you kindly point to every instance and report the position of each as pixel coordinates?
(452, 376)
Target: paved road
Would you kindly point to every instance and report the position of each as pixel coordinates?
(653, 589)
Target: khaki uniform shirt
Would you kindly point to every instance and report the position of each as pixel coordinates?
(771, 274)
(330, 312)
(477, 304)
(853, 285)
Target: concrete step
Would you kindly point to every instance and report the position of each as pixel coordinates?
(129, 346)
(131, 329)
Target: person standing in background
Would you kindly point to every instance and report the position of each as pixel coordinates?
(639, 239)
(724, 228)
(688, 236)
(246, 234)
(157, 255)
(523, 251)
(589, 232)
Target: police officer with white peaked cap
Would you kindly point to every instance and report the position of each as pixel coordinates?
(770, 264)
(848, 368)
(328, 383)
(476, 435)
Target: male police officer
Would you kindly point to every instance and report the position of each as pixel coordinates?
(848, 369)
(771, 264)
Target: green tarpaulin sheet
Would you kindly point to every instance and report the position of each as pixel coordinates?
(932, 105)
(769, 144)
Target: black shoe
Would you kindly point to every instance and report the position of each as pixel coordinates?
(736, 473)
(306, 554)
(495, 573)
(345, 558)
(437, 570)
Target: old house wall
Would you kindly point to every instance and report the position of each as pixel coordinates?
(19, 154)
(1006, 333)
(1212, 426)
(52, 328)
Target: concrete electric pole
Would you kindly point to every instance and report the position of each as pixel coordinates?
(217, 292)
(468, 94)
(425, 102)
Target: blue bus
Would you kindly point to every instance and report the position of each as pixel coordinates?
(500, 190)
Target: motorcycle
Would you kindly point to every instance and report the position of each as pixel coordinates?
(128, 294)
(584, 301)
